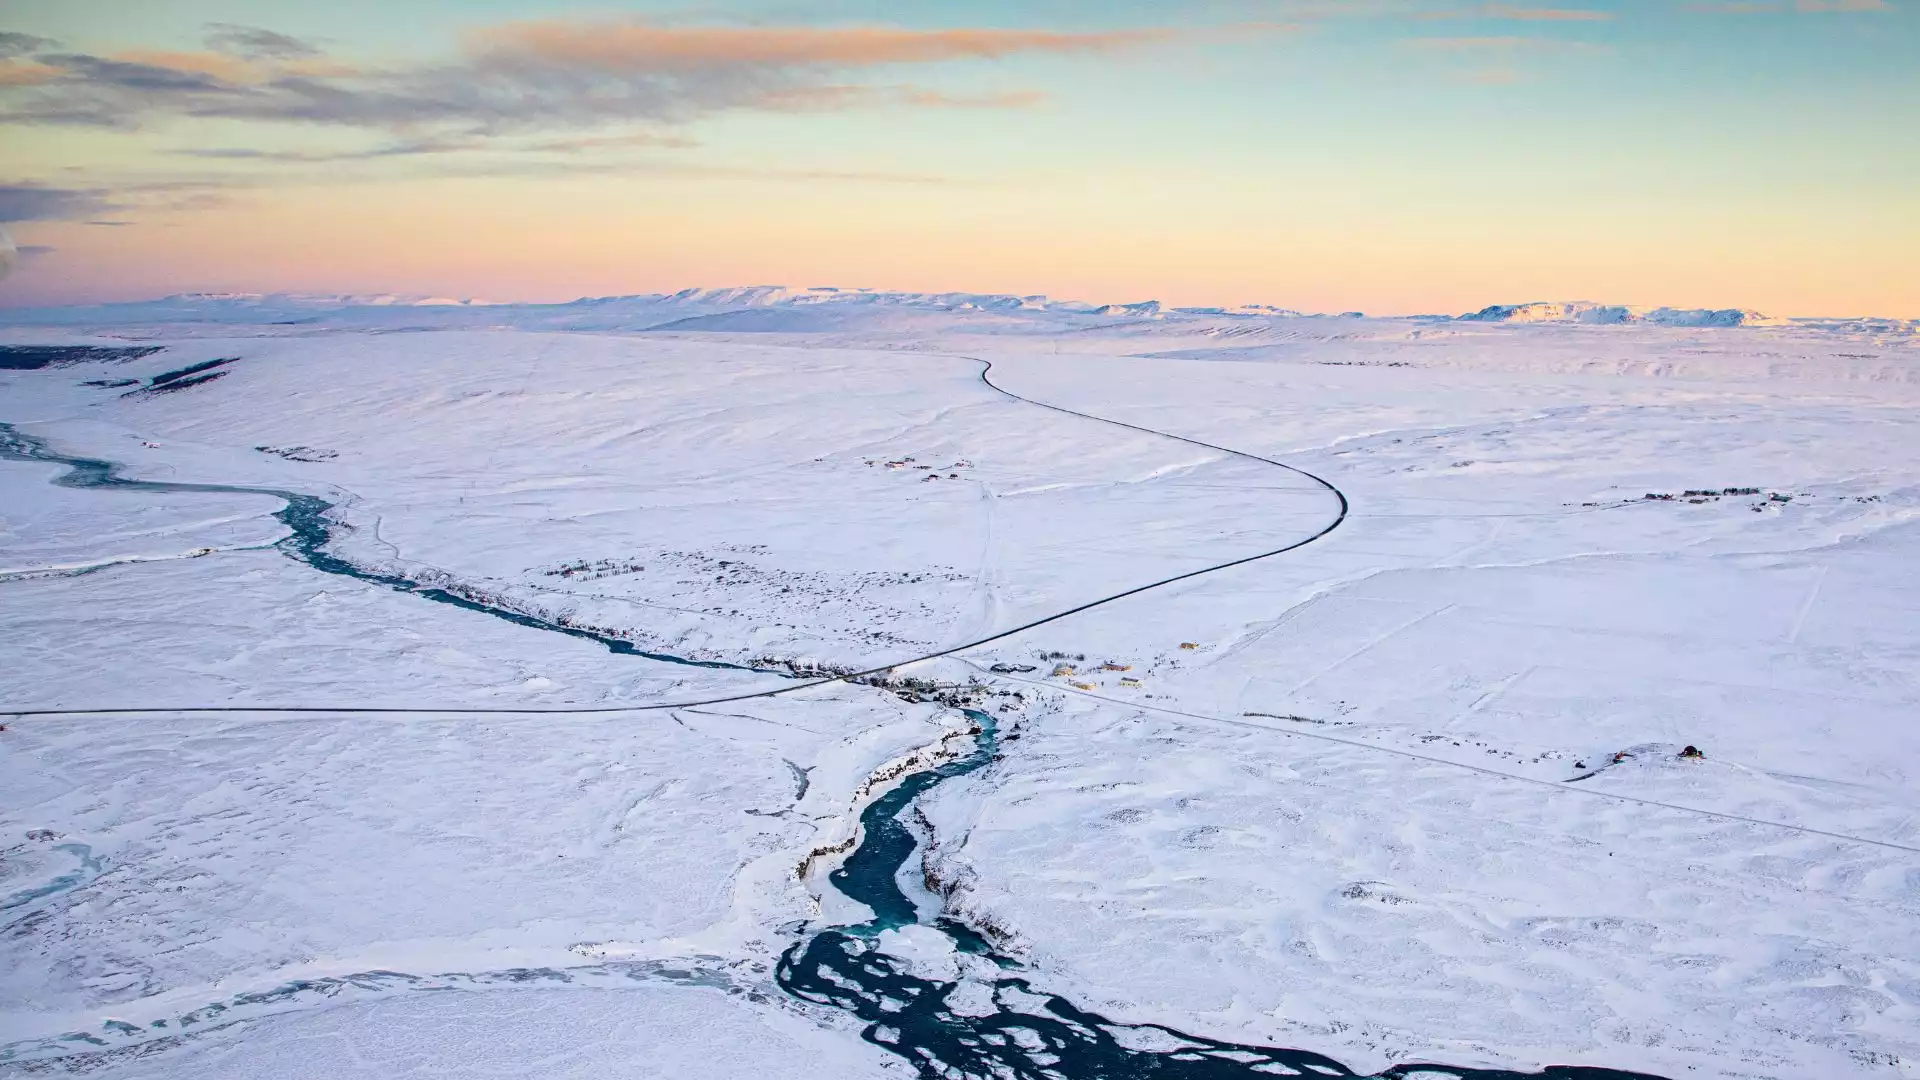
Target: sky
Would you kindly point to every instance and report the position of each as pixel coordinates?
(1389, 156)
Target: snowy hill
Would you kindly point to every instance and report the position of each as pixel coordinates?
(778, 307)
(1581, 311)
(782, 309)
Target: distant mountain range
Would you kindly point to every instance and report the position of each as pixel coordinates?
(773, 308)
(1581, 311)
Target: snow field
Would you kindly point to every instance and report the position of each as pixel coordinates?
(1232, 869)
(1193, 850)
(641, 1031)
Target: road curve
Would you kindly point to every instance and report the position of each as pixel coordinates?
(986, 369)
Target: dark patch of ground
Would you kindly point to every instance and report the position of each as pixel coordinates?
(35, 357)
(183, 378)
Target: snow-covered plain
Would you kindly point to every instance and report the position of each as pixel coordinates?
(1340, 821)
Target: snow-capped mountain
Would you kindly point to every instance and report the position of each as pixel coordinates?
(1582, 311)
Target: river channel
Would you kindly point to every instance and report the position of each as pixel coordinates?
(1000, 1027)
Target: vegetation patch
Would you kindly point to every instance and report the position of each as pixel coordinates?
(299, 453)
(35, 357)
(183, 378)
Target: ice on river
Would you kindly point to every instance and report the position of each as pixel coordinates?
(1340, 821)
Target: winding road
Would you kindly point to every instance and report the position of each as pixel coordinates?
(305, 514)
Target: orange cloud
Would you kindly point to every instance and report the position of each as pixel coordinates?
(837, 96)
(628, 46)
(318, 67)
(1007, 99)
(234, 69)
(26, 73)
(1496, 76)
(830, 97)
(226, 68)
(635, 140)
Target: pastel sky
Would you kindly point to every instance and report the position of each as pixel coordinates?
(1393, 156)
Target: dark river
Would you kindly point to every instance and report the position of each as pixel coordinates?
(1024, 1035)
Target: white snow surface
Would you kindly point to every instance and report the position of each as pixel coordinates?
(640, 1032)
(1340, 821)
